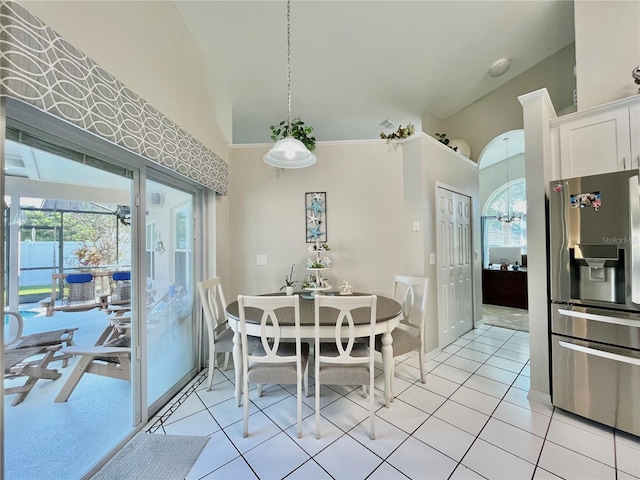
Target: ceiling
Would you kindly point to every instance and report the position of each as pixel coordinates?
(357, 63)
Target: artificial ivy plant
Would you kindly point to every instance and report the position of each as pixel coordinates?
(297, 129)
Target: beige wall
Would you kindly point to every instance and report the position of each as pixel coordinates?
(374, 192)
(158, 60)
(500, 111)
(607, 50)
(161, 63)
(363, 183)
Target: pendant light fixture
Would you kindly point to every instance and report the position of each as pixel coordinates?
(289, 152)
(508, 216)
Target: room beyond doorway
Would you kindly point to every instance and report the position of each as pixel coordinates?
(507, 317)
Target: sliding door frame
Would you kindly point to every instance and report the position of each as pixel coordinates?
(3, 130)
(49, 128)
(155, 175)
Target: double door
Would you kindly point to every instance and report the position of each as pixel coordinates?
(455, 292)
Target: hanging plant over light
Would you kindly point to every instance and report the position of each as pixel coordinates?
(295, 128)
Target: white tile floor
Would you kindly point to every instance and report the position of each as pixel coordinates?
(472, 419)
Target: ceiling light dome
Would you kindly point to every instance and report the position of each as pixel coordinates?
(289, 153)
(499, 67)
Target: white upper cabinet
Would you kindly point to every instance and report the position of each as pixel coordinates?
(599, 140)
(634, 128)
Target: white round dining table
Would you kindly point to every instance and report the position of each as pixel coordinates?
(388, 314)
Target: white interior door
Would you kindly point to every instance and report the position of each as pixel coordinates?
(455, 292)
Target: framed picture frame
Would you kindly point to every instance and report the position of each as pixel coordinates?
(315, 209)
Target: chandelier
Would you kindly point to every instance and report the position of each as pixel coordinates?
(289, 152)
(508, 215)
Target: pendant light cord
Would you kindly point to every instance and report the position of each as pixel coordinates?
(289, 64)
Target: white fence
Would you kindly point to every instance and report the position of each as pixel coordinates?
(44, 255)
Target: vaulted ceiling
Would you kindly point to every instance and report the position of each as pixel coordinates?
(357, 63)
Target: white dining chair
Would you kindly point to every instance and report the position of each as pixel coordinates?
(220, 335)
(273, 361)
(412, 293)
(342, 360)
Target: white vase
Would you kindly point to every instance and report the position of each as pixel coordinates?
(289, 290)
(463, 147)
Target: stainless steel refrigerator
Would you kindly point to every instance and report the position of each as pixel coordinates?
(594, 227)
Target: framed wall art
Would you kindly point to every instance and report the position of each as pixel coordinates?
(315, 216)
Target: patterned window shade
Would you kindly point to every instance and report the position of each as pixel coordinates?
(39, 67)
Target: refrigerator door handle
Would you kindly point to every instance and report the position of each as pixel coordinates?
(634, 240)
(600, 353)
(600, 318)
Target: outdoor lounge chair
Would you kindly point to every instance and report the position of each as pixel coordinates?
(113, 362)
(17, 364)
(15, 340)
(110, 359)
(29, 355)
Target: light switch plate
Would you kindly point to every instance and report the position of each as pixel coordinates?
(432, 258)
(261, 259)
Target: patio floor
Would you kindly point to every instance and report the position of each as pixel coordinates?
(44, 439)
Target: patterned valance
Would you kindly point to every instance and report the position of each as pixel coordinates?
(39, 67)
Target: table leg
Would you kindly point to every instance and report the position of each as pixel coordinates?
(237, 364)
(387, 362)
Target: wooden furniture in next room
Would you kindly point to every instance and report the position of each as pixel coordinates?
(507, 288)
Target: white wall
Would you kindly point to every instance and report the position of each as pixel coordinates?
(440, 165)
(607, 50)
(493, 177)
(538, 111)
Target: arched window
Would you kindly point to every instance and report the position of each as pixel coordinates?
(504, 220)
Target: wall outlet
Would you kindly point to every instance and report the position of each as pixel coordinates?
(432, 259)
(261, 260)
(416, 225)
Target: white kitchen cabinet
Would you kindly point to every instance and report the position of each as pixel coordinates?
(599, 140)
(634, 128)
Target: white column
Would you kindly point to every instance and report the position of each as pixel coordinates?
(537, 112)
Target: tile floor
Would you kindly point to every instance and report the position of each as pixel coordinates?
(471, 420)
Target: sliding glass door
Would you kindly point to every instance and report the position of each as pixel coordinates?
(170, 322)
(97, 251)
(67, 231)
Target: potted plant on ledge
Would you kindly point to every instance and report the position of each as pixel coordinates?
(289, 282)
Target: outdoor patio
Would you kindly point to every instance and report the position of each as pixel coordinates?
(62, 440)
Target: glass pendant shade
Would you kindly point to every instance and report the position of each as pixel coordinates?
(289, 153)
